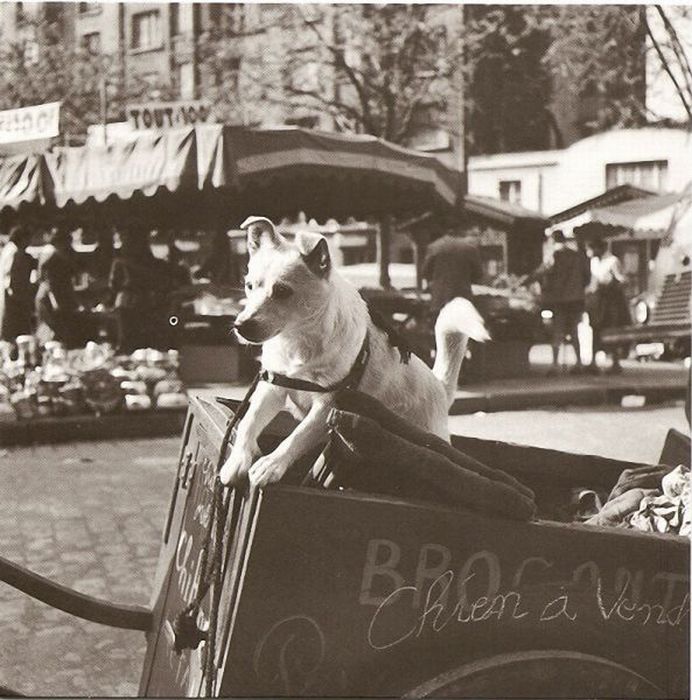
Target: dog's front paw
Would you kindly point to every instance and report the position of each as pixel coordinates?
(236, 466)
(267, 470)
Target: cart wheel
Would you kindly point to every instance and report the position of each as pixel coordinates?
(545, 673)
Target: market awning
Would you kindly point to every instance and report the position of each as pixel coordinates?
(274, 171)
(501, 212)
(149, 162)
(21, 181)
(615, 195)
(649, 217)
(230, 155)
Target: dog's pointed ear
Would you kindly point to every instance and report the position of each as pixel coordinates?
(260, 231)
(315, 252)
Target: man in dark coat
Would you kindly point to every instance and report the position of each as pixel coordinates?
(452, 264)
(16, 309)
(564, 291)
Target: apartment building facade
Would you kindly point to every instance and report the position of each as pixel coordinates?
(251, 62)
(240, 57)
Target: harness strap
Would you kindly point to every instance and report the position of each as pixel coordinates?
(350, 381)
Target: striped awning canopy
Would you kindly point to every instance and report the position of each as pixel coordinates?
(22, 181)
(648, 217)
(236, 170)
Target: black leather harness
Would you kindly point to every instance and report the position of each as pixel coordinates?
(350, 381)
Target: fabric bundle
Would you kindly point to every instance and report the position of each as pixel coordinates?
(382, 453)
(662, 509)
(667, 511)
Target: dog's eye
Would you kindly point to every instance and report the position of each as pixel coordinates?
(248, 286)
(281, 291)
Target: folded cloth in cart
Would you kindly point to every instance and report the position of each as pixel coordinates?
(369, 458)
(365, 405)
(664, 509)
(615, 512)
(668, 511)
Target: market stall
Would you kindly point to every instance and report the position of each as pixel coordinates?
(55, 393)
(206, 178)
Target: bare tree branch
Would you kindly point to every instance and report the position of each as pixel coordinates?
(667, 68)
(678, 49)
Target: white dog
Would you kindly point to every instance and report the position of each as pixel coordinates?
(315, 328)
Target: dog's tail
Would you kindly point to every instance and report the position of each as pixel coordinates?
(458, 321)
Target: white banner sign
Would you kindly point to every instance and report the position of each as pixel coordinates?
(167, 115)
(30, 123)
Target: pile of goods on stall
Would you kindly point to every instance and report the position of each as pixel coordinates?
(61, 382)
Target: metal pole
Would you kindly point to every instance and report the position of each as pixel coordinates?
(104, 109)
(383, 250)
(462, 146)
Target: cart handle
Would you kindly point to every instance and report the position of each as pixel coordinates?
(130, 617)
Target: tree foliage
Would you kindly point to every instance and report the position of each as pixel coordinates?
(376, 69)
(390, 70)
(598, 56)
(509, 87)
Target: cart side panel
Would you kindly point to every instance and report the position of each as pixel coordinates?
(166, 673)
(350, 595)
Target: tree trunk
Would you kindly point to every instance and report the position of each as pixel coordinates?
(383, 240)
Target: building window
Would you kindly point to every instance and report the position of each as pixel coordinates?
(182, 18)
(649, 175)
(510, 191)
(305, 77)
(31, 52)
(233, 74)
(229, 15)
(186, 80)
(85, 8)
(306, 122)
(92, 42)
(146, 30)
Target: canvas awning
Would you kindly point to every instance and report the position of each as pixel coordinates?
(235, 170)
(21, 181)
(649, 217)
(232, 156)
(146, 164)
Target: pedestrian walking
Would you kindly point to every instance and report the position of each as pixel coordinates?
(16, 288)
(564, 291)
(56, 302)
(452, 264)
(608, 307)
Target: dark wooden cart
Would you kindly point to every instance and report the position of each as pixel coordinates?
(330, 593)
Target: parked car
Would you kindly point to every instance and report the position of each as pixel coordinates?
(661, 318)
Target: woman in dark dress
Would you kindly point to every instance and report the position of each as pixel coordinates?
(56, 302)
(608, 307)
(17, 311)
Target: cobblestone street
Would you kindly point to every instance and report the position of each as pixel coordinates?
(88, 516)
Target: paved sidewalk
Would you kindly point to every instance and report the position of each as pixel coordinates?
(657, 382)
(88, 516)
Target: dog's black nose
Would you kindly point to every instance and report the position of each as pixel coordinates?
(249, 329)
